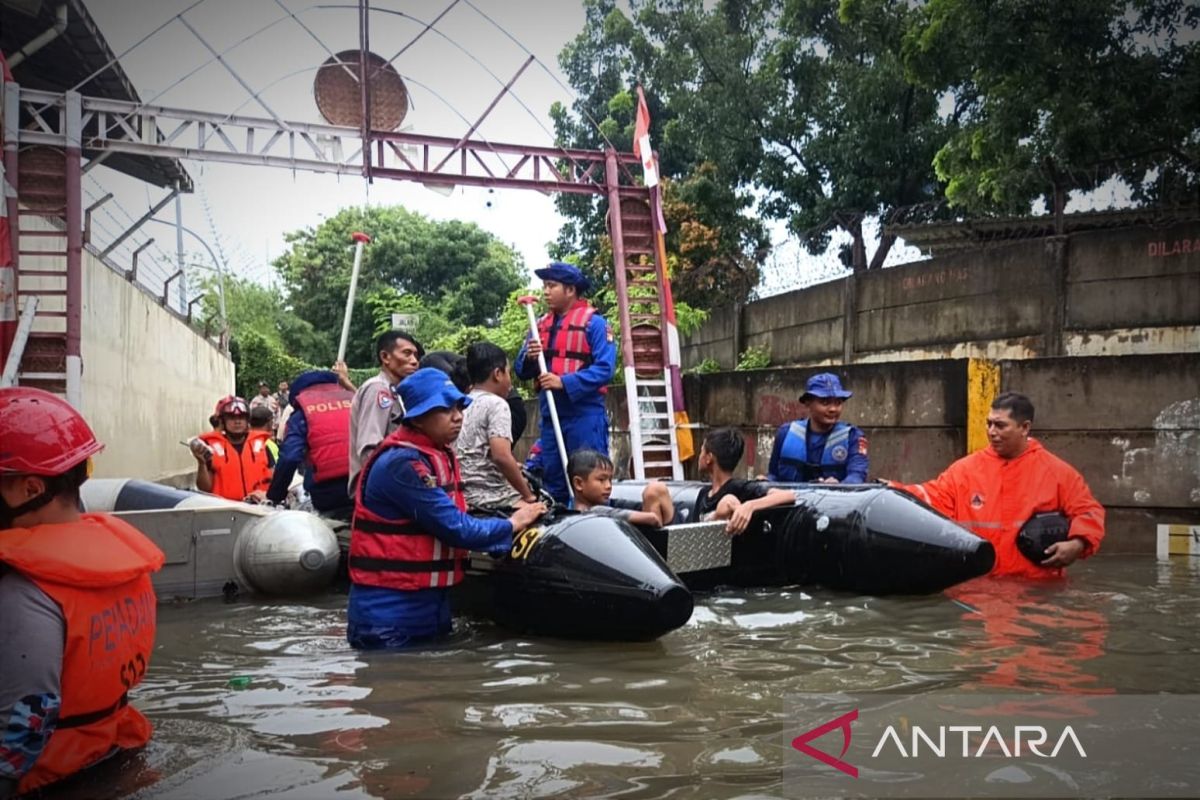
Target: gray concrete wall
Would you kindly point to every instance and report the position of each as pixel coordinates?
(1121, 292)
(149, 380)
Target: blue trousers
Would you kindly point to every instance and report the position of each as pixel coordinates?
(583, 432)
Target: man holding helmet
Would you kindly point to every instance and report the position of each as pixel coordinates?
(77, 630)
(233, 461)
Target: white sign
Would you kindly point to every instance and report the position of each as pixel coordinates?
(406, 322)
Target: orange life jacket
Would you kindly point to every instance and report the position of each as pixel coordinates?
(97, 571)
(327, 411)
(398, 553)
(236, 475)
(572, 351)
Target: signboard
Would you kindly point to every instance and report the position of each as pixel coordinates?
(406, 322)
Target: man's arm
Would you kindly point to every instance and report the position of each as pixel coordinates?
(1086, 515)
(858, 465)
(776, 452)
(204, 473)
(370, 419)
(291, 456)
(33, 630)
(500, 451)
(739, 519)
(526, 366)
(599, 373)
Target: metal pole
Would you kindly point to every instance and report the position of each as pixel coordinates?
(74, 222)
(159, 206)
(220, 269)
(10, 274)
(528, 301)
(360, 239)
(179, 265)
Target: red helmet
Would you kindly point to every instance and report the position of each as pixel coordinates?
(232, 407)
(41, 434)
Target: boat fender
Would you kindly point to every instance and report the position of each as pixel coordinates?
(1041, 531)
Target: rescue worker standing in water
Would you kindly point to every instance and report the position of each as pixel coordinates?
(821, 448)
(581, 359)
(997, 491)
(411, 533)
(68, 581)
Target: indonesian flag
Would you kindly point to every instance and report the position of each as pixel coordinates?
(8, 274)
(641, 141)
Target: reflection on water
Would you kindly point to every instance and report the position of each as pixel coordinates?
(696, 714)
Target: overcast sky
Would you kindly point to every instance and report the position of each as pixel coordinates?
(252, 207)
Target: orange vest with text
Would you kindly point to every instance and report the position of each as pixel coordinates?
(97, 571)
(235, 474)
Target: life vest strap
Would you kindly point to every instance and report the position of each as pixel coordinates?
(387, 528)
(368, 564)
(92, 717)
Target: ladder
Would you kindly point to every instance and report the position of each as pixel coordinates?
(40, 245)
(640, 277)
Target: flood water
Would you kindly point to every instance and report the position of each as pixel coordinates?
(697, 714)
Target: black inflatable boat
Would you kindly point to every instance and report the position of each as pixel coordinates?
(868, 539)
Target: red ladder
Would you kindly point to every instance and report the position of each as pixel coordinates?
(640, 280)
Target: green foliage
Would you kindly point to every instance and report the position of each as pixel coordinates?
(259, 358)
(251, 307)
(451, 270)
(705, 367)
(1096, 89)
(754, 358)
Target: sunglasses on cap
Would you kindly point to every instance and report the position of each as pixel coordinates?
(235, 407)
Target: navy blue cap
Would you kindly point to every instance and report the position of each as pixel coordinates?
(825, 384)
(428, 389)
(568, 274)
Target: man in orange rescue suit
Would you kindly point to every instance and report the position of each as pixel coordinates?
(1004, 491)
(77, 625)
(318, 436)
(233, 461)
(581, 359)
(411, 532)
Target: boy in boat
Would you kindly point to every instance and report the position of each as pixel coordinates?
(731, 498)
(591, 478)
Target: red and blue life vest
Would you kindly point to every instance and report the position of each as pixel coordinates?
(398, 553)
(326, 408)
(572, 351)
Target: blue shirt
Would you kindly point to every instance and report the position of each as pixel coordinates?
(396, 490)
(856, 466)
(580, 394)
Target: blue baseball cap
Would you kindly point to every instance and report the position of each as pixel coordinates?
(568, 274)
(428, 389)
(825, 384)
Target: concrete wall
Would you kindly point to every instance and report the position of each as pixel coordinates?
(1120, 292)
(149, 380)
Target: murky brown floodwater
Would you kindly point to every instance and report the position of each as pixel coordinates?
(697, 714)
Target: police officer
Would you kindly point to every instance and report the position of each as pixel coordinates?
(64, 703)
(822, 448)
(581, 358)
(317, 437)
(411, 533)
(374, 411)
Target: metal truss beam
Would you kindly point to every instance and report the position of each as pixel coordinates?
(158, 131)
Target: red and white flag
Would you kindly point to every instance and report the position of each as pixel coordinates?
(641, 141)
(8, 274)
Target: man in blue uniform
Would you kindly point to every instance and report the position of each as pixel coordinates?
(581, 358)
(411, 533)
(822, 448)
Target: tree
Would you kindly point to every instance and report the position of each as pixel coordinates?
(1094, 89)
(454, 268)
(253, 308)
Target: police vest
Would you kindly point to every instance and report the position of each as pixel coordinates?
(97, 571)
(572, 351)
(235, 474)
(833, 459)
(326, 408)
(398, 553)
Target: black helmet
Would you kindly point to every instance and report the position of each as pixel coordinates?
(1040, 532)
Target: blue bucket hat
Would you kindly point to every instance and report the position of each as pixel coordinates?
(568, 274)
(825, 384)
(428, 389)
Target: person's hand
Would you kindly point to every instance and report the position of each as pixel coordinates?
(827, 479)
(1063, 554)
(255, 498)
(548, 380)
(200, 450)
(343, 373)
(525, 516)
(533, 347)
(739, 520)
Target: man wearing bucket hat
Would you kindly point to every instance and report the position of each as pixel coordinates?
(78, 621)
(581, 358)
(411, 533)
(821, 448)
(233, 461)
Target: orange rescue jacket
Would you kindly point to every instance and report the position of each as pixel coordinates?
(994, 497)
(236, 475)
(97, 571)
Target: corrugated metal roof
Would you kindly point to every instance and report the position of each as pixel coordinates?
(70, 60)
